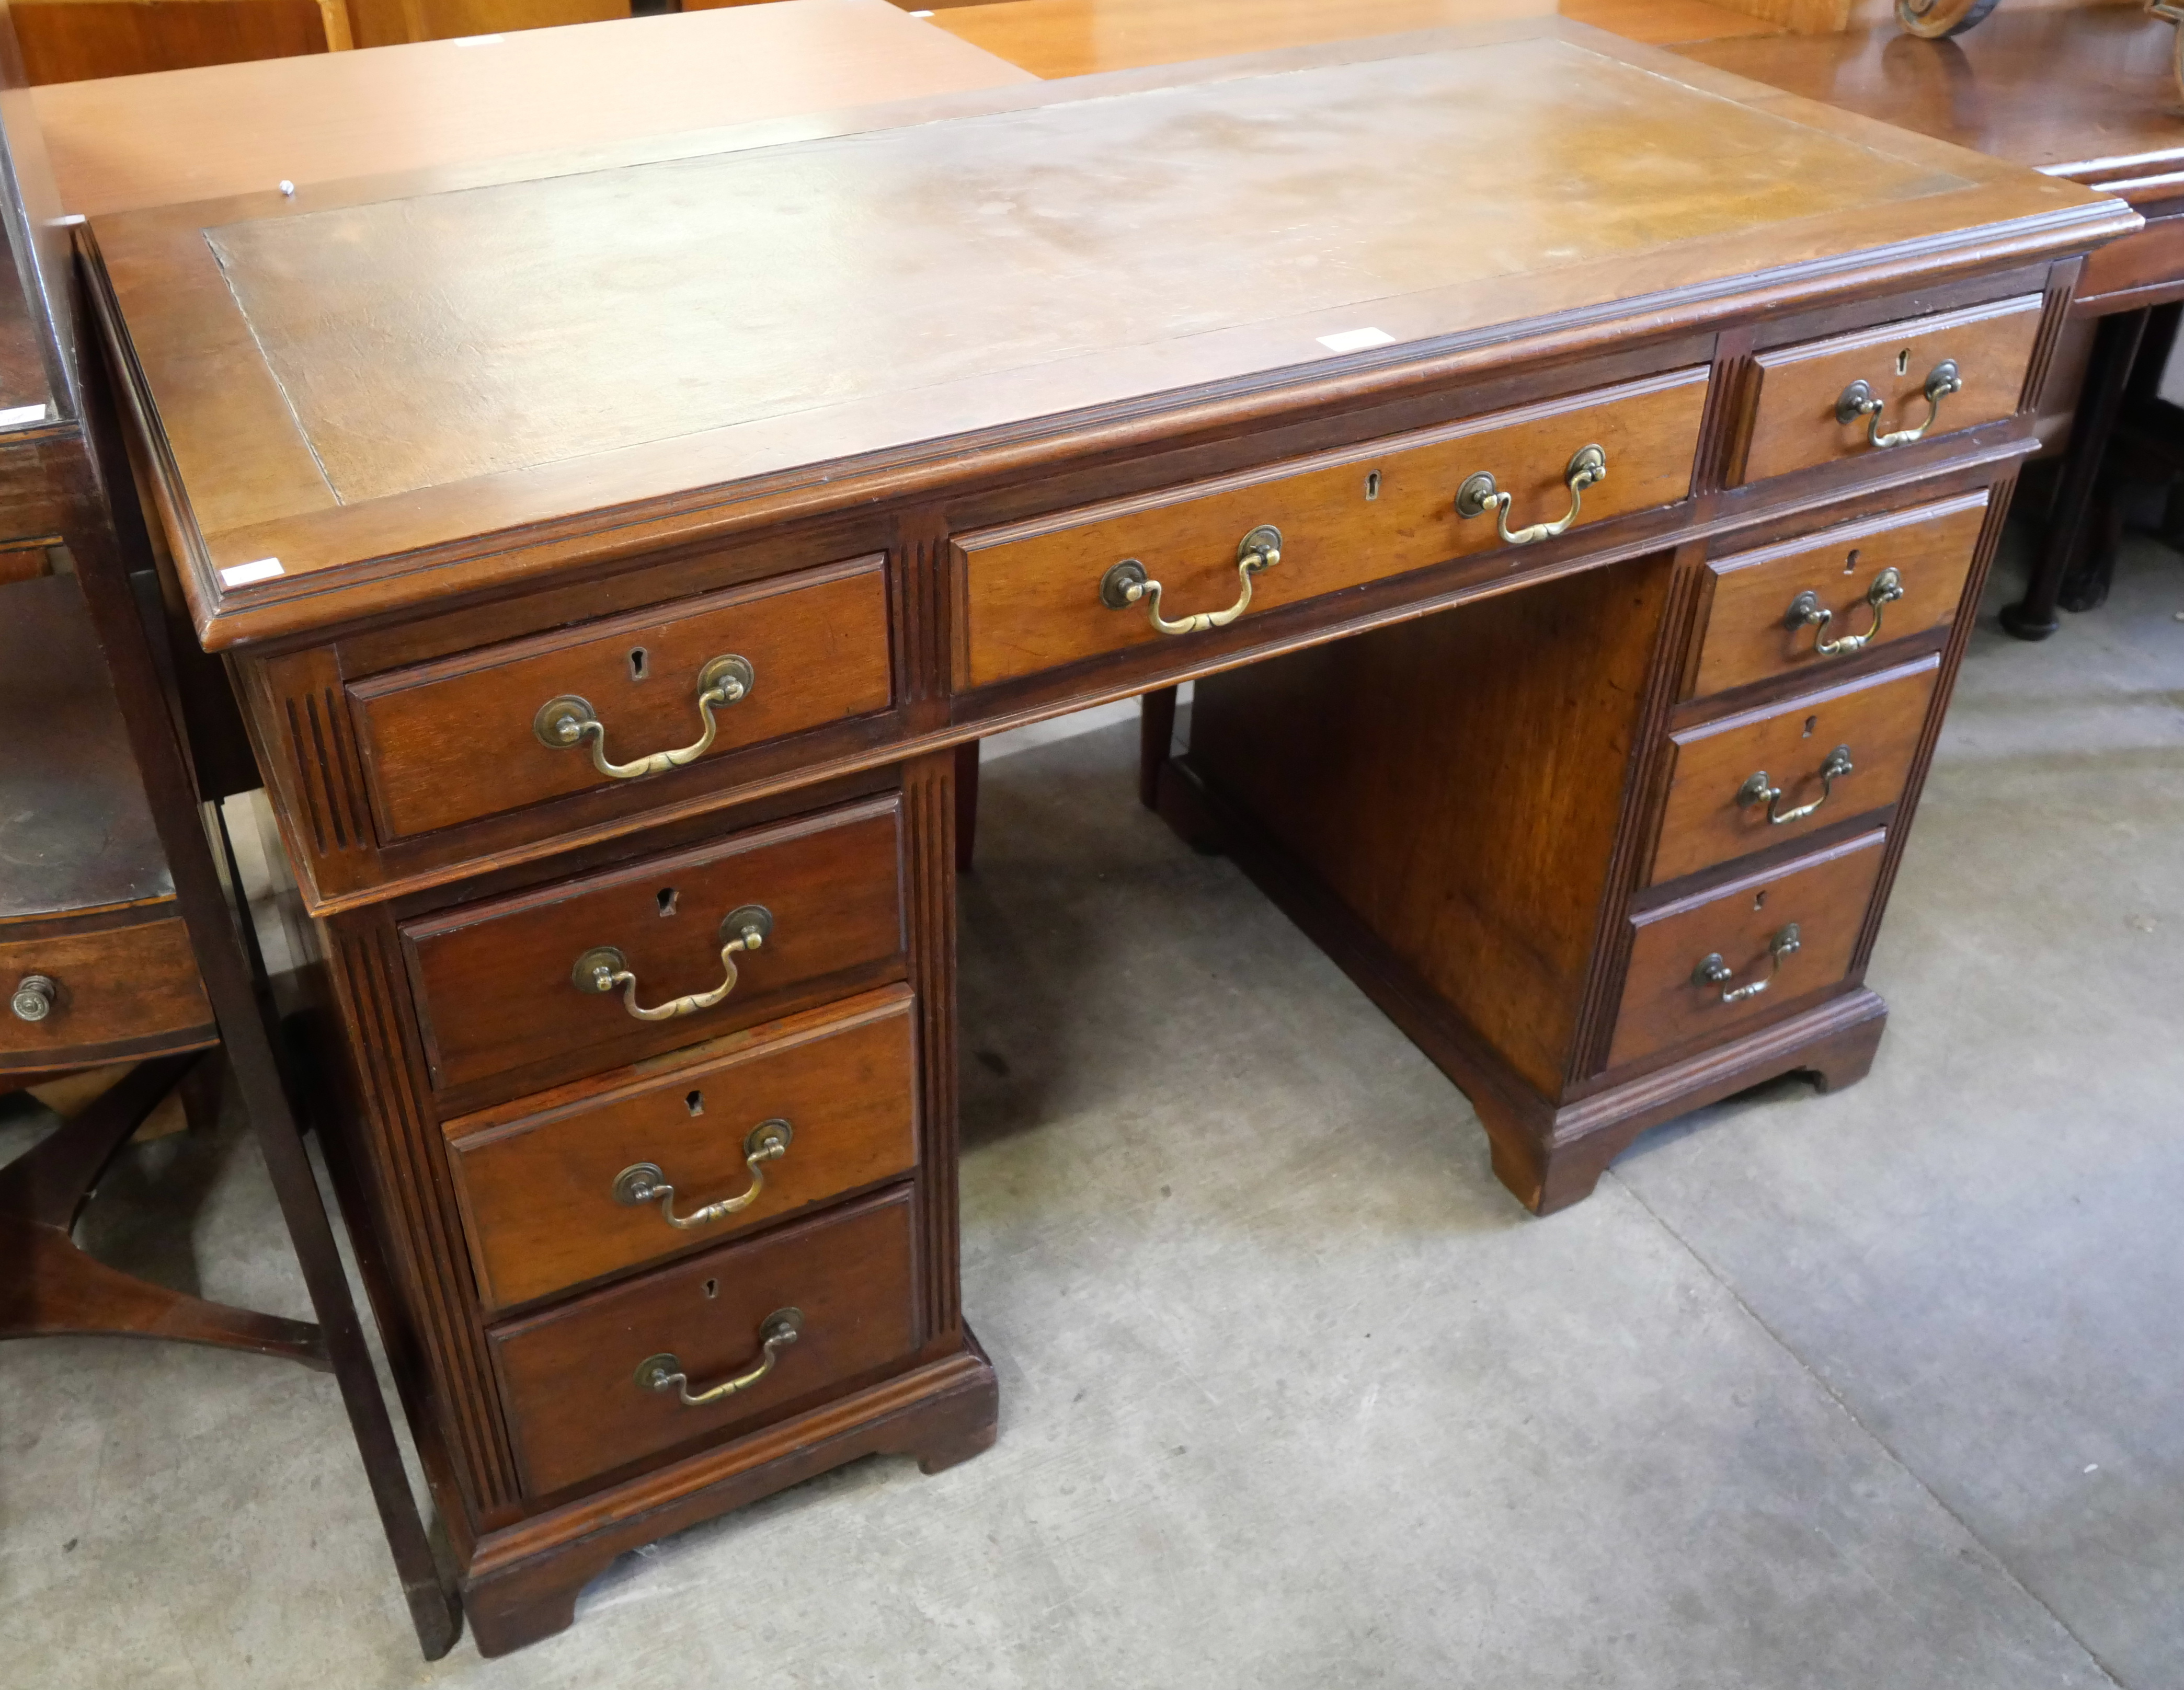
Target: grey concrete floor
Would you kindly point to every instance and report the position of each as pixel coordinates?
(1881, 1389)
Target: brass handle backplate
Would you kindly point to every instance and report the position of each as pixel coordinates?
(663, 1372)
(1806, 611)
(1758, 789)
(1477, 495)
(1859, 400)
(1127, 584)
(1713, 971)
(603, 968)
(571, 721)
(33, 998)
(643, 1183)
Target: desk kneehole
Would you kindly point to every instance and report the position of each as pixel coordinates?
(1704, 966)
(1752, 780)
(1081, 583)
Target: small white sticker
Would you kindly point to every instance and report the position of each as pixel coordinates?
(16, 415)
(479, 40)
(243, 575)
(68, 221)
(1356, 339)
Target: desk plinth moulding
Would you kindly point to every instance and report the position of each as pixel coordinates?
(607, 637)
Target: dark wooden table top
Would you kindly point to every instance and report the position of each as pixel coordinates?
(2078, 92)
(76, 832)
(368, 388)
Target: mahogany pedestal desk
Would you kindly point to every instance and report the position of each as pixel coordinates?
(2086, 95)
(1568, 472)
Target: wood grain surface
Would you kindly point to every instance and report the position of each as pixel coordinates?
(493, 979)
(204, 134)
(1794, 424)
(1747, 636)
(1826, 895)
(1031, 590)
(121, 990)
(451, 740)
(536, 1180)
(574, 1406)
(1880, 717)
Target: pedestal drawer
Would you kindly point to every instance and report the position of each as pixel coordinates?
(1854, 394)
(1763, 776)
(567, 1187)
(511, 725)
(787, 1318)
(1816, 600)
(1052, 591)
(1712, 962)
(547, 982)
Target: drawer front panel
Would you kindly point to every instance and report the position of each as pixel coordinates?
(546, 1197)
(1032, 590)
(570, 1378)
(456, 740)
(1689, 960)
(132, 985)
(1794, 423)
(1715, 811)
(1903, 573)
(497, 983)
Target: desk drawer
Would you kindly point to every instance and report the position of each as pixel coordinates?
(1798, 417)
(1769, 937)
(1034, 592)
(548, 1197)
(105, 995)
(499, 989)
(1875, 582)
(1718, 806)
(570, 1377)
(454, 740)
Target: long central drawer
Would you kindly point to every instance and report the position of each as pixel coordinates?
(1035, 589)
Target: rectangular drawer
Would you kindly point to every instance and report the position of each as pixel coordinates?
(544, 1184)
(1668, 997)
(128, 987)
(456, 739)
(1798, 388)
(1031, 590)
(570, 1378)
(1713, 811)
(498, 986)
(1756, 624)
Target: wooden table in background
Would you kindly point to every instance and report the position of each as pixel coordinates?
(186, 135)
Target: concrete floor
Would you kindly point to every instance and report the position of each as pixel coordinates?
(1882, 1389)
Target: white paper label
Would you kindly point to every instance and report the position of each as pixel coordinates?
(243, 575)
(15, 416)
(1356, 339)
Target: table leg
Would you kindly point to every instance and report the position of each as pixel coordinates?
(2115, 350)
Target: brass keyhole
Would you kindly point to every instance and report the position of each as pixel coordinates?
(1903, 362)
(666, 900)
(1811, 722)
(1372, 485)
(695, 1103)
(1850, 565)
(712, 1287)
(1760, 902)
(637, 661)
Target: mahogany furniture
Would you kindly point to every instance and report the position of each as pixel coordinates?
(1572, 523)
(116, 935)
(2086, 95)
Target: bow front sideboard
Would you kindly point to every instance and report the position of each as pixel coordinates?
(1568, 473)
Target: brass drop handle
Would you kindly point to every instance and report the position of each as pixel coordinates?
(33, 998)
(1806, 611)
(643, 1183)
(1758, 790)
(1478, 495)
(1859, 400)
(1713, 971)
(571, 721)
(663, 1372)
(1126, 584)
(603, 968)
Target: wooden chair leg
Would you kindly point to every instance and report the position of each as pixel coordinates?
(113, 541)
